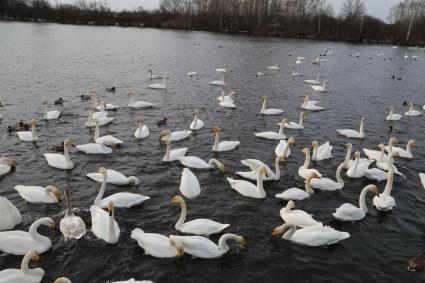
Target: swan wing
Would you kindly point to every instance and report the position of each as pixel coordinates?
(123, 199)
(298, 218)
(108, 140)
(141, 104)
(58, 161)
(10, 215)
(325, 184)
(94, 148)
(251, 175)
(35, 194)
(203, 227)
(272, 111)
(189, 184)
(376, 174)
(255, 164)
(178, 152)
(293, 194)
(324, 151)
(4, 169)
(349, 133)
(246, 188)
(374, 154)
(270, 135)
(54, 114)
(193, 162)
(199, 246)
(228, 145)
(20, 242)
(280, 148)
(318, 236)
(348, 212)
(156, 245)
(422, 177)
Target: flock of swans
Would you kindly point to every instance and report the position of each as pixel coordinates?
(298, 226)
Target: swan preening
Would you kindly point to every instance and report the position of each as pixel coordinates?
(61, 161)
(271, 111)
(50, 115)
(6, 165)
(29, 136)
(71, 226)
(24, 274)
(198, 163)
(223, 145)
(352, 133)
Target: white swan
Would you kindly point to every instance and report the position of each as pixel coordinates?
(104, 225)
(103, 119)
(352, 133)
(227, 104)
(326, 184)
(227, 98)
(200, 226)
(384, 201)
(94, 148)
(322, 152)
(192, 73)
(132, 280)
(297, 217)
(313, 236)
(273, 135)
(255, 165)
(222, 70)
(61, 161)
(248, 189)
(283, 149)
(106, 106)
(218, 82)
(202, 247)
(24, 274)
(298, 194)
(386, 165)
(422, 177)
(223, 145)
(29, 136)
(196, 123)
(50, 115)
(198, 163)
(157, 245)
(62, 280)
(37, 194)
(392, 116)
(349, 212)
(142, 130)
(114, 177)
(6, 165)
(320, 88)
(403, 153)
(310, 105)
(138, 104)
(167, 135)
(304, 171)
(412, 112)
(71, 226)
(104, 140)
(349, 162)
(159, 86)
(152, 76)
(313, 82)
(270, 111)
(10, 215)
(294, 125)
(19, 242)
(274, 67)
(376, 174)
(357, 170)
(377, 154)
(189, 184)
(175, 154)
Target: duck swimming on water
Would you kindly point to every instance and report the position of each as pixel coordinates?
(85, 97)
(111, 89)
(162, 122)
(59, 101)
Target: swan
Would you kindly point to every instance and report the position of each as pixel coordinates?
(104, 140)
(349, 162)
(71, 226)
(138, 104)
(313, 82)
(37, 194)
(376, 174)
(384, 201)
(142, 130)
(283, 147)
(378, 154)
(189, 184)
(106, 106)
(260, 74)
(174, 136)
(412, 112)
(19, 242)
(104, 225)
(222, 70)
(132, 280)
(10, 215)
(255, 164)
(310, 105)
(271, 111)
(114, 177)
(50, 115)
(203, 227)
(121, 199)
(62, 280)
(422, 177)
(224, 145)
(322, 152)
(313, 236)
(196, 123)
(403, 153)
(294, 73)
(202, 247)
(227, 104)
(294, 125)
(218, 82)
(29, 136)
(152, 76)
(304, 171)
(192, 73)
(175, 154)
(274, 67)
(61, 161)
(228, 98)
(326, 184)
(94, 148)
(248, 189)
(349, 212)
(6, 165)
(320, 88)
(159, 86)
(392, 116)
(273, 135)
(103, 119)
(297, 217)
(357, 170)
(298, 194)
(198, 163)
(352, 133)
(24, 274)
(157, 245)
(386, 165)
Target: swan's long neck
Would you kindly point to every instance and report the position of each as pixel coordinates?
(277, 167)
(195, 121)
(301, 123)
(389, 185)
(183, 214)
(356, 164)
(290, 232)
(102, 189)
(347, 157)
(216, 141)
(308, 187)
(33, 131)
(131, 100)
(66, 153)
(111, 224)
(338, 174)
(45, 111)
(167, 152)
(285, 149)
(281, 129)
(69, 211)
(260, 182)
(390, 160)
(390, 147)
(361, 131)
(324, 85)
(307, 160)
(409, 148)
(90, 116)
(318, 77)
(263, 106)
(381, 157)
(24, 265)
(97, 132)
(34, 233)
(164, 82)
(222, 242)
(391, 113)
(141, 126)
(362, 199)
(315, 150)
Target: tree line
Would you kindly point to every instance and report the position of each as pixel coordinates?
(283, 18)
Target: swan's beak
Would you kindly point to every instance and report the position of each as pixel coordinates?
(174, 200)
(53, 226)
(275, 232)
(180, 251)
(243, 242)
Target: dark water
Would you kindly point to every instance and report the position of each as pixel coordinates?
(48, 61)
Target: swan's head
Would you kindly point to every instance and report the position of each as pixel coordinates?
(381, 146)
(163, 134)
(232, 93)
(412, 143)
(362, 118)
(141, 120)
(55, 191)
(306, 94)
(304, 114)
(263, 97)
(95, 120)
(290, 205)
(62, 280)
(47, 221)
(373, 189)
(394, 140)
(281, 229)
(34, 256)
(305, 151)
(93, 93)
(178, 245)
(281, 158)
(111, 208)
(167, 142)
(196, 113)
(68, 142)
(291, 140)
(263, 171)
(89, 108)
(45, 103)
(33, 122)
(348, 146)
(177, 200)
(410, 104)
(326, 82)
(216, 129)
(357, 155)
(130, 94)
(391, 108)
(11, 162)
(285, 121)
(102, 170)
(241, 240)
(314, 144)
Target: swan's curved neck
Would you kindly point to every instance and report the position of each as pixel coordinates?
(390, 147)
(381, 157)
(277, 167)
(111, 224)
(289, 233)
(167, 153)
(305, 100)
(25, 262)
(165, 82)
(356, 164)
(260, 182)
(281, 129)
(69, 211)
(222, 242)
(34, 233)
(141, 125)
(263, 106)
(347, 157)
(285, 149)
(389, 185)
(301, 123)
(391, 113)
(45, 111)
(361, 130)
(409, 148)
(195, 121)
(97, 132)
(307, 160)
(362, 199)
(131, 100)
(315, 149)
(216, 141)
(102, 189)
(215, 162)
(134, 180)
(66, 153)
(33, 131)
(183, 214)
(338, 174)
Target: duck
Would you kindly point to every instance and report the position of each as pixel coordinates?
(326, 184)
(321, 152)
(142, 130)
(24, 274)
(104, 225)
(299, 194)
(162, 122)
(202, 247)
(10, 215)
(94, 148)
(198, 163)
(378, 154)
(313, 236)
(294, 125)
(352, 133)
(313, 82)
(50, 115)
(157, 245)
(403, 153)
(175, 154)
(189, 184)
(111, 89)
(6, 165)
(84, 97)
(255, 164)
(29, 136)
(357, 170)
(57, 147)
(273, 135)
(349, 212)
(223, 145)
(385, 202)
(152, 76)
(412, 112)
(274, 67)
(282, 147)
(61, 161)
(19, 242)
(227, 98)
(192, 73)
(202, 227)
(197, 123)
(104, 140)
(297, 217)
(304, 171)
(71, 226)
(20, 126)
(114, 177)
(218, 82)
(320, 88)
(59, 101)
(160, 86)
(417, 263)
(37, 194)
(248, 189)
(310, 105)
(270, 111)
(175, 135)
(392, 116)
(138, 104)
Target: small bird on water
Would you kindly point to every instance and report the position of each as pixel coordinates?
(162, 122)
